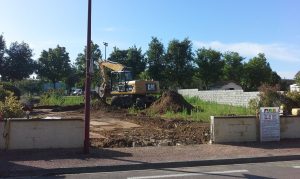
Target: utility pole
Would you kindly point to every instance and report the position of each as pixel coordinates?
(105, 45)
(88, 83)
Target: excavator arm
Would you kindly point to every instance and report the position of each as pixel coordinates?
(114, 66)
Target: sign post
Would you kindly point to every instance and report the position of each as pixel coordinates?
(269, 124)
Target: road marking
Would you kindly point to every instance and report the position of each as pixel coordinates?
(188, 174)
(296, 166)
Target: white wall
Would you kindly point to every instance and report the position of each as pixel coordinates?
(245, 129)
(42, 134)
(230, 97)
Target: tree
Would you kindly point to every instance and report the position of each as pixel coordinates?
(54, 64)
(210, 66)
(256, 72)
(2, 51)
(80, 64)
(297, 78)
(132, 58)
(18, 64)
(179, 59)
(155, 59)
(233, 67)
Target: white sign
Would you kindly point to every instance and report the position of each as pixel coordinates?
(269, 124)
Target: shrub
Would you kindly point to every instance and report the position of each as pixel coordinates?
(53, 97)
(11, 108)
(10, 87)
(269, 96)
(4, 93)
(30, 86)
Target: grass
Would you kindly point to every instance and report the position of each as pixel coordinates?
(62, 100)
(203, 110)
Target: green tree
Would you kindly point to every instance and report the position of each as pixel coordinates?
(297, 77)
(18, 64)
(256, 72)
(2, 51)
(179, 60)
(132, 58)
(54, 64)
(155, 59)
(80, 64)
(233, 67)
(210, 66)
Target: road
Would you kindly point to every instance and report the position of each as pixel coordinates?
(287, 169)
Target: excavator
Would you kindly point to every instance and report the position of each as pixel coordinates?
(125, 92)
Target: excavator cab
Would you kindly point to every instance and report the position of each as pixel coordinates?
(119, 81)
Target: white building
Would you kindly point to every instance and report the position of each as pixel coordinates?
(295, 87)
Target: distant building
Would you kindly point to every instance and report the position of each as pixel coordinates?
(225, 86)
(295, 87)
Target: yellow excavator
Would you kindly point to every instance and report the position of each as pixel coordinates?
(124, 91)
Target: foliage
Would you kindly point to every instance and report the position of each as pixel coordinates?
(257, 72)
(269, 96)
(210, 66)
(8, 86)
(155, 60)
(4, 93)
(297, 78)
(18, 64)
(30, 86)
(80, 63)
(233, 67)
(56, 97)
(54, 64)
(11, 108)
(132, 58)
(179, 59)
(203, 110)
(2, 51)
(52, 97)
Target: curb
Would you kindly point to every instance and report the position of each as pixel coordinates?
(145, 166)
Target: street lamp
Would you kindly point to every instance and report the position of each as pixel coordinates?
(105, 45)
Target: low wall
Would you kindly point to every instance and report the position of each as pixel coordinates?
(43, 133)
(2, 141)
(231, 97)
(246, 129)
(233, 129)
(290, 127)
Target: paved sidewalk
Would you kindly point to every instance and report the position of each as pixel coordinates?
(64, 161)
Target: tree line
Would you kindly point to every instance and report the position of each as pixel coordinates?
(176, 66)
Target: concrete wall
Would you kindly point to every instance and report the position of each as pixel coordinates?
(231, 97)
(233, 129)
(42, 134)
(246, 129)
(290, 127)
(2, 142)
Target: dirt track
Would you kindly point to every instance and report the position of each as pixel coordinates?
(117, 128)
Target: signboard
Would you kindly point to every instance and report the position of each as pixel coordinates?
(269, 124)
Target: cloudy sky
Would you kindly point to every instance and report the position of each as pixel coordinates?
(247, 27)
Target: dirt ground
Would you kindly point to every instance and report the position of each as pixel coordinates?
(118, 128)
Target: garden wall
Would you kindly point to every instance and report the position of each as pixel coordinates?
(42, 134)
(231, 97)
(246, 129)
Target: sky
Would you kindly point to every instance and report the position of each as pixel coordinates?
(248, 27)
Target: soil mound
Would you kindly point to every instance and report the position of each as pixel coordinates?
(170, 101)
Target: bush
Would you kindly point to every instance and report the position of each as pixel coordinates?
(4, 93)
(11, 108)
(269, 96)
(10, 87)
(53, 97)
(30, 86)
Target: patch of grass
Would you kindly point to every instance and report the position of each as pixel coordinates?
(203, 110)
(62, 100)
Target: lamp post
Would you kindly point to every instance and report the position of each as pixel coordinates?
(105, 45)
(88, 83)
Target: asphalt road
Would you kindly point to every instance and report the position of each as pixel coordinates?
(286, 169)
